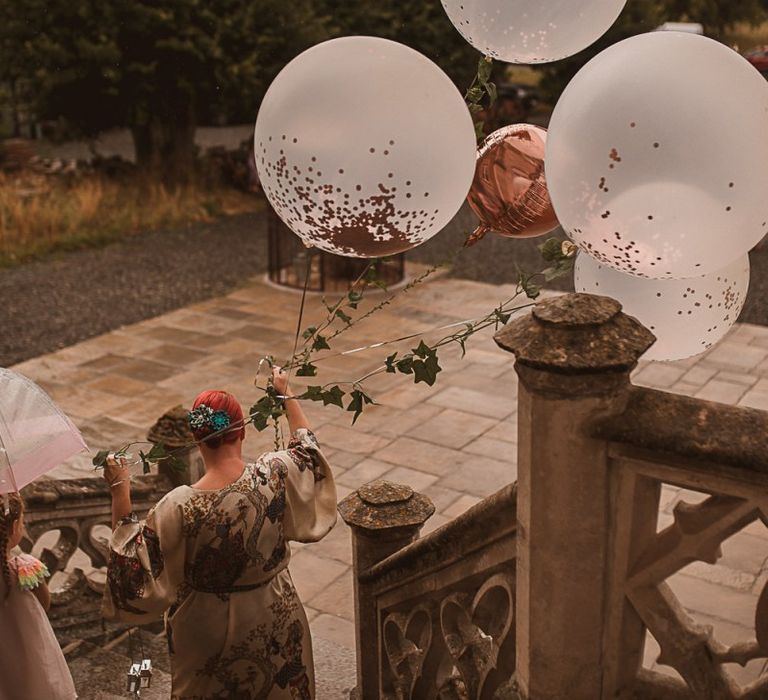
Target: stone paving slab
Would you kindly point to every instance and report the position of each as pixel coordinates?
(456, 442)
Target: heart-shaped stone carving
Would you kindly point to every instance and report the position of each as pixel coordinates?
(407, 639)
(475, 628)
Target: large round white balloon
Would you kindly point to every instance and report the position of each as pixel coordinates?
(521, 31)
(364, 147)
(657, 156)
(687, 316)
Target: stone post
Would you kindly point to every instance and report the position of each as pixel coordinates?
(384, 518)
(574, 354)
(172, 429)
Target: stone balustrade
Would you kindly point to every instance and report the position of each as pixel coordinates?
(547, 590)
(79, 514)
(434, 615)
(76, 514)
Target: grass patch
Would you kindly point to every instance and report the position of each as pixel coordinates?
(40, 215)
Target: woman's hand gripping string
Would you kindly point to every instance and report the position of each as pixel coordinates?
(118, 477)
(296, 417)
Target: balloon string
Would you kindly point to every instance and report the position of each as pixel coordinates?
(130, 461)
(400, 339)
(301, 308)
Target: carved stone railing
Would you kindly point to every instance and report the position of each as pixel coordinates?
(719, 450)
(77, 509)
(436, 617)
(575, 540)
(594, 452)
(79, 512)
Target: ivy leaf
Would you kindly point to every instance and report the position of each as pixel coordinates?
(175, 463)
(358, 402)
(475, 94)
(502, 317)
(479, 130)
(379, 284)
(262, 406)
(320, 343)
(551, 250)
(344, 317)
(390, 363)
(405, 366)
(145, 467)
(100, 460)
(532, 291)
(484, 68)
(423, 350)
(490, 88)
(306, 370)
(354, 298)
(313, 393)
(265, 408)
(333, 396)
(260, 422)
(563, 267)
(309, 332)
(426, 370)
(372, 278)
(157, 452)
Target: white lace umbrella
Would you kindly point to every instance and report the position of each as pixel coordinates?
(35, 435)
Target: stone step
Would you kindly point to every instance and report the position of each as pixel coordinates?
(101, 674)
(335, 669)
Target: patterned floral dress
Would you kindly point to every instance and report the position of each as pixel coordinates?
(216, 562)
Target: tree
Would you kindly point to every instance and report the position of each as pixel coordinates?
(15, 34)
(423, 26)
(161, 68)
(156, 68)
(717, 16)
(640, 16)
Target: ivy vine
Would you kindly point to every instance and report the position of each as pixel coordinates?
(421, 362)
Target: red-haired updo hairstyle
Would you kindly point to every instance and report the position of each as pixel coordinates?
(221, 401)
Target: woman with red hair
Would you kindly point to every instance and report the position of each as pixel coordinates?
(213, 557)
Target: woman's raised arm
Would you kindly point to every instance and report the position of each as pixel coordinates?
(293, 411)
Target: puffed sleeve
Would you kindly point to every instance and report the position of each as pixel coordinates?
(146, 564)
(310, 491)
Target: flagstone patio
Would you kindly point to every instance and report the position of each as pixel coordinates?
(455, 442)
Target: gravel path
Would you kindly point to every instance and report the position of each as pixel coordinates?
(56, 302)
(59, 301)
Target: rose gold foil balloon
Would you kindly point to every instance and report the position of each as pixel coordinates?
(509, 193)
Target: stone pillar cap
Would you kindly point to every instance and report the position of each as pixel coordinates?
(384, 505)
(172, 429)
(576, 334)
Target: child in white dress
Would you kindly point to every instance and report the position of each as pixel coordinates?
(31, 662)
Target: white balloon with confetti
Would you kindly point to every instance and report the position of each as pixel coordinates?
(687, 316)
(521, 31)
(657, 156)
(364, 147)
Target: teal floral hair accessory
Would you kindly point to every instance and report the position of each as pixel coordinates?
(205, 418)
